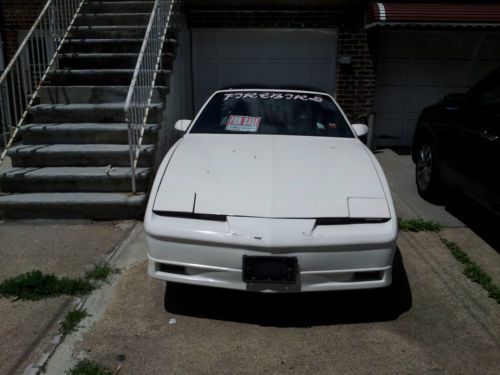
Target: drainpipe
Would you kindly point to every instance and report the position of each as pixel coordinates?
(2, 58)
(2, 22)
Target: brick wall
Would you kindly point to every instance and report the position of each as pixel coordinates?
(355, 82)
(17, 15)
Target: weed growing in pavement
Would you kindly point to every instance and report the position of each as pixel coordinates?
(474, 271)
(35, 285)
(419, 225)
(72, 320)
(88, 367)
(100, 272)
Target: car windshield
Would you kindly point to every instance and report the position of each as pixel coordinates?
(272, 112)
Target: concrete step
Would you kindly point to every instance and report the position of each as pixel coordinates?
(91, 94)
(113, 19)
(72, 179)
(107, 32)
(115, 6)
(118, 45)
(82, 133)
(114, 32)
(105, 60)
(79, 112)
(96, 206)
(82, 155)
(99, 77)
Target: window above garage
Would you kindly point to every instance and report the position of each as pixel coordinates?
(432, 15)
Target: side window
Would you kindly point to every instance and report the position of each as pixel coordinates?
(487, 98)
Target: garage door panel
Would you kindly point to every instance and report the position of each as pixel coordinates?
(394, 47)
(460, 48)
(441, 62)
(393, 73)
(323, 47)
(298, 47)
(426, 74)
(207, 47)
(228, 47)
(427, 48)
(276, 73)
(252, 71)
(250, 48)
(275, 47)
(228, 72)
(459, 74)
(390, 99)
(207, 75)
(299, 69)
(263, 56)
(489, 49)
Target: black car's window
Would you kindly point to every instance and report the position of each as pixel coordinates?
(272, 112)
(488, 98)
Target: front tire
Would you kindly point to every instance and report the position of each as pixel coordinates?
(427, 174)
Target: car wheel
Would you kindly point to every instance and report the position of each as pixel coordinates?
(427, 170)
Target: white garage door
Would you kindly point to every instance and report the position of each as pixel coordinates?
(416, 69)
(223, 57)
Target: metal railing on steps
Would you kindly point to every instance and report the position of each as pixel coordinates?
(35, 58)
(140, 94)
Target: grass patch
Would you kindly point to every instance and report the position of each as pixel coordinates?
(474, 271)
(419, 225)
(100, 272)
(35, 285)
(88, 367)
(72, 320)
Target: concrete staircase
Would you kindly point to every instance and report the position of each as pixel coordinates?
(73, 161)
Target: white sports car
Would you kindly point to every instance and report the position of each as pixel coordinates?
(271, 190)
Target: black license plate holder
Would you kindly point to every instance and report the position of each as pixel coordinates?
(269, 269)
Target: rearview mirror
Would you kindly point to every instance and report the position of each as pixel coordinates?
(360, 129)
(182, 125)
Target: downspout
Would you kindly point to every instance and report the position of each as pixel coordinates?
(2, 56)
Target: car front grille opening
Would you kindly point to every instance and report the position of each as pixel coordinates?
(172, 268)
(368, 276)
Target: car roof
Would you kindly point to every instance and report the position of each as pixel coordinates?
(248, 86)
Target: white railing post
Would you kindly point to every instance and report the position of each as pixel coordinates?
(140, 94)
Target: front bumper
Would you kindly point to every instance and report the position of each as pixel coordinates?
(333, 257)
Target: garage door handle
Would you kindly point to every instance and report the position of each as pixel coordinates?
(488, 136)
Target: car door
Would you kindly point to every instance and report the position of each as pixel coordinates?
(480, 133)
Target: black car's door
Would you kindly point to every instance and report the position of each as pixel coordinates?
(480, 143)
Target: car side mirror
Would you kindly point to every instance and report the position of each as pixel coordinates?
(453, 102)
(182, 125)
(360, 129)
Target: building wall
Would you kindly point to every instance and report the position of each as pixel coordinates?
(355, 81)
(17, 15)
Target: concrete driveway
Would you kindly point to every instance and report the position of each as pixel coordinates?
(432, 320)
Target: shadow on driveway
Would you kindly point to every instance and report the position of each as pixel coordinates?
(294, 310)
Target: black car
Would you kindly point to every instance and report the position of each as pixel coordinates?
(457, 145)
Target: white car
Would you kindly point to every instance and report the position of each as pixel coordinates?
(271, 190)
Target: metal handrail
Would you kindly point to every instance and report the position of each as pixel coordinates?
(30, 65)
(141, 89)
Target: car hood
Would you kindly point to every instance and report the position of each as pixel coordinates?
(272, 176)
